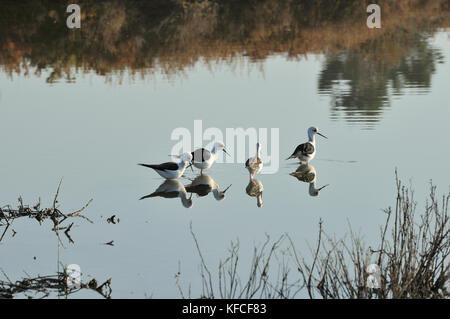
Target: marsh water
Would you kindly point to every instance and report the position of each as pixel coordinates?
(88, 105)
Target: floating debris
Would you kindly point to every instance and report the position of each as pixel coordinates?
(8, 214)
(111, 220)
(43, 286)
(110, 243)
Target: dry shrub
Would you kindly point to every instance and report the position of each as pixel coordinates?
(411, 261)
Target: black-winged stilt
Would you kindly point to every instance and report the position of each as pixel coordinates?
(203, 159)
(305, 152)
(171, 170)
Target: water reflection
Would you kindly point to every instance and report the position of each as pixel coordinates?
(360, 84)
(362, 70)
(172, 35)
(201, 185)
(255, 188)
(45, 286)
(254, 164)
(172, 189)
(60, 220)
(204, 184)
(307, 173)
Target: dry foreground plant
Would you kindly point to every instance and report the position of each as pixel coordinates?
(46, 286)
(411, 260)
(8, 214)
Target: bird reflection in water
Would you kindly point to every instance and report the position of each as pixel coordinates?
(203, 184)
(172, 188)
(254, 165)
(255, 189)
(307, 174)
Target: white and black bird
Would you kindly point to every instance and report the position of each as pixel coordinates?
(172, 170)
(305, 152)
(203, 159)
(172, 188)
(254, 164)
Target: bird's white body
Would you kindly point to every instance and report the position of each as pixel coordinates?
(254, 164)
(172, 170)
(204, 159)
(205, 164)
(172, 174)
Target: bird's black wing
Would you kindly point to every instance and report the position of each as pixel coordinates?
(169, 166)
(201, 190)
(201, 155)
(247, 162)
(305, 149)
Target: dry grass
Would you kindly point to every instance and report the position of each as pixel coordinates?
(411, 261)
(412, 256)
(259, 284)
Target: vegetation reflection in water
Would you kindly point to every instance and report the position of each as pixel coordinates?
(362, 68)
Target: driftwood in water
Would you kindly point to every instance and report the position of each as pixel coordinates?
(43, 286)
(8, 214)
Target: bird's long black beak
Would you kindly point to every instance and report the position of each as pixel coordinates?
(322, 187)
(190, 165)
(226, 189)
(226, 152)
(322, 135)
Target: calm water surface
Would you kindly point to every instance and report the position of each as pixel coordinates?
(93, 132)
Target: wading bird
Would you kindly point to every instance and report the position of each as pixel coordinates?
(203, 159)
(172, 170)
(305, 152)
